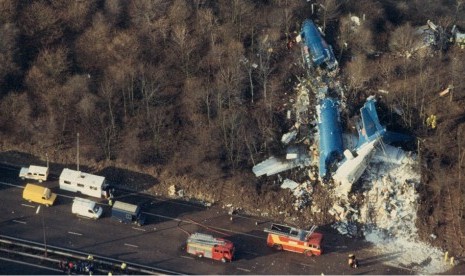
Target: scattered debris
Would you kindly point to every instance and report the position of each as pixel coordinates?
(274, 165)
(173, 191)
(446, 91)
(289, 184)
(458, 37)
(288, 137)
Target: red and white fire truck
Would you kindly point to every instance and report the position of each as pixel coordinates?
(203, 245)
(282, 237)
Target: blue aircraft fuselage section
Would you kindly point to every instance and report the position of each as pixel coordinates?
(317, 47)
(329, 128)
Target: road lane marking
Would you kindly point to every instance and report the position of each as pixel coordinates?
(19, 221)
(243, 269)
(187, 257)
(217, 228)
(27, 205)
(131, 245)
(74, 233)
(307, 265)
(139, 229)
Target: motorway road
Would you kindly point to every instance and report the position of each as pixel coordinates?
(160, 242)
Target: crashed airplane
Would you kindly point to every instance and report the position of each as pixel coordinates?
(344, 167)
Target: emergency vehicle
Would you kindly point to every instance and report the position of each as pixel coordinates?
(283, 237)
(203, 245)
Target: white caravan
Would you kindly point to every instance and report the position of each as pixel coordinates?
(34, 172)
(85, 183)
(86, 208)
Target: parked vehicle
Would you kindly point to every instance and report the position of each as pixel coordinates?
(86, 208)
(127, 213)
(85, 183)
(39, 194)
(38, 173)
(203, 245)
(282, 237)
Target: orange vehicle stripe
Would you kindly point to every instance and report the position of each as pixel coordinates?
(276, 239)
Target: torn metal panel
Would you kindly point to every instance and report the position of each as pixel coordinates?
(391, 154)
(274, 165)
(353, 167)
(289, 184)
(369, 127)
(288, 137)
(292, 152)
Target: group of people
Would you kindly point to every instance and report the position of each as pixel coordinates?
(79, 267)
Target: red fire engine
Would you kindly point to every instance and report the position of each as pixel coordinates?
(203, 245)
(282, 237)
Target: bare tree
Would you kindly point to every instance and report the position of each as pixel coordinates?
(330, 11)
(179, 12)
(355, 73)
(8, 47)
(54, 63)
(113, 10)
(231, 127)
(237, 12)
(72, 13)
(265, 61)
(15, 115)
(184, 47)
(92, 46)
(403, 39)
(41, 22)
(8, 10)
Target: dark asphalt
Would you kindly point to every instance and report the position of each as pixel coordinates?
(161, 242)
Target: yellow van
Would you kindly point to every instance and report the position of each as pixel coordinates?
(39, 194)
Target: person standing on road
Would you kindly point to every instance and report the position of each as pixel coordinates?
(353, 262)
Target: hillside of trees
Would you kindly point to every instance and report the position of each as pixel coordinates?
(168, 88)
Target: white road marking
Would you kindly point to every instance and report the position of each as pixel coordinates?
(307, 265)
(217, 228)
(243, 269)
(131, 245)
(19, 221)
(74, 233)
(187, 257)
(27, 205)
(139, 229)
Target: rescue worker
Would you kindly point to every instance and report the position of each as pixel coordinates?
(70, 267)
(352, 261)
(123, 266)
(110, 197)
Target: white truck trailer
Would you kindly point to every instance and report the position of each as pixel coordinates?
(85, 183)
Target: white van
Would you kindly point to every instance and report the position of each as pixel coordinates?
(34, 172)
(86, 208)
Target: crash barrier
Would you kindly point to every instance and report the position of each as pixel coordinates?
(55, 255)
